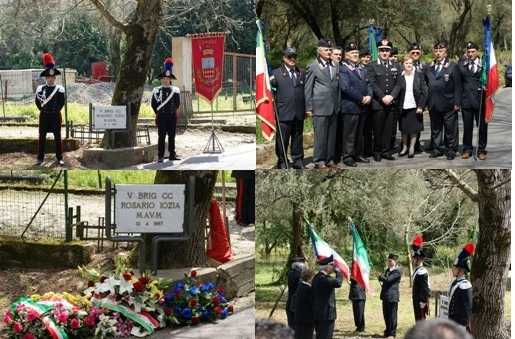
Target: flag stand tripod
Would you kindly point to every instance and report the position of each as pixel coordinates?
(213, 146)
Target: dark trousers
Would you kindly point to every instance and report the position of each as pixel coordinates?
(361, 147)
(324, 329)
(383, 122)
(390, 318)
(444, 123)
(325, 138)
(395, 125)
(358, 309)
(350, 124)
(50, 123)
(368, 128)
(469, 116)
(420, 313)
(166, 125)
(290, 316)
(290, 130)
(304, 330)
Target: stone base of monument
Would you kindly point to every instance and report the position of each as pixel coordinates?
(118, 157)
(30, 145)
(236, 276)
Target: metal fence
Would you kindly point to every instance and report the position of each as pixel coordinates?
(238, 87)
(36, 214)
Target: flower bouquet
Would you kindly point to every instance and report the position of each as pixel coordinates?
(48, 316)
(133, 302)
(190, 302)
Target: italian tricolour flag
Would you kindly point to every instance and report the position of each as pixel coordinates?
(322, 250)
(264, 99)
(489, 76)
(360, 263)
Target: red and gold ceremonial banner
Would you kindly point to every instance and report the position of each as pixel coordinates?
(208, 63)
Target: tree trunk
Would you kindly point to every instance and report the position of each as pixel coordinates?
(492, 259)
(191, 252)
(296, 224)
(140, 36)
(115, 50)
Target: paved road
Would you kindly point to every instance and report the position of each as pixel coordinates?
(238, 326)
(499, 144)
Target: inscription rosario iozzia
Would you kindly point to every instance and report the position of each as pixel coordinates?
(149, 208)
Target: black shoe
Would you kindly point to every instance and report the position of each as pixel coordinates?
(361, 159)
(451, 156)
(160, 160)
(435, 154)
(174, 157)
(298, 165)
(411, 155)
(350, 162)
(39, 162)
(388, 156)
(281, 165)
(377, 157)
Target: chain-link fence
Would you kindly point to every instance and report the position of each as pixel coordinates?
(238, 86)
(40, 212)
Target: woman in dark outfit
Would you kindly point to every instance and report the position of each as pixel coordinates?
(413, 95)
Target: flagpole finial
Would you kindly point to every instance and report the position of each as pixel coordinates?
(371, 21)
(489, 9)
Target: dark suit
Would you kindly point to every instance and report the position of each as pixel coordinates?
(460, 301)
(324, 303)
(289, 97)
(322, 99)
(470, 102)
(383, 78)
(419, 92)
(358, 297)
(390, 281)
(304, 323)
(293, 283)
(420, 292)
(353, 88)
(444, 93)
(50, 119)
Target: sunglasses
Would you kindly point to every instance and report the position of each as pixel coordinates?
(291, 57)
(383, 50)
(415, 53)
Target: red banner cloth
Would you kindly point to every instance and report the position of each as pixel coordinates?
(218, 245)
(208, 65)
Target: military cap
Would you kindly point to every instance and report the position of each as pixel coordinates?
(440, 44)
(364, 51)
(290, 52)
(414, 47)
(471, 45)
(351, 46)
(462, 260)
(325, 43)
(384, 44)
(393, 256)
(325, 261)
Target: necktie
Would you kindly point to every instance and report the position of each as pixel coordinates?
(293, 77)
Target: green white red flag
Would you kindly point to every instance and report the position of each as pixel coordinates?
(264, 99)
(322, 250)
(360, 262)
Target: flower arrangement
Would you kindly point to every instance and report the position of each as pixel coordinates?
(116, 305)
(190, 302)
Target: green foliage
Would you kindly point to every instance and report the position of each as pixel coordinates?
(388, 207)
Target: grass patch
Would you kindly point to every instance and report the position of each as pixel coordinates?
(267, 294)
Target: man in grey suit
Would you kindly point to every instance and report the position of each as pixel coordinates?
(322, 102)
